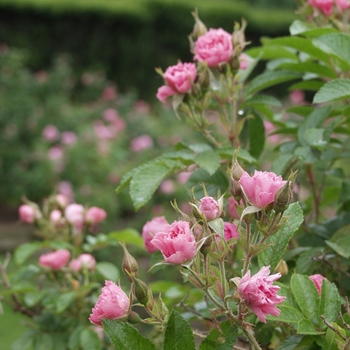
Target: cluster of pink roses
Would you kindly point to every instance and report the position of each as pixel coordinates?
(327, 6)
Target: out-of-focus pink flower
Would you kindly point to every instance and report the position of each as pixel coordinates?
(259, 294)
(74, 214)
(157, 224)
(167, 186)
(112, 303)
(87, 79)
(84, 261)
(177, 243)
(231, 208)
(141, 143)
(65, 188)
(318, 279)
(41, 76)
(179, 79)
(104, 132)
(297, 97)
(28, 214)
(230, 231)
(113, 178)
(94, 215)
(270, 128)
(55, 153)
(326, 6)
(342, 4)
(260, 188)
(55, 215)
(55, 260)
(3, 48)
(111, 115)
(50, 133)
(62, 200)
(243, 61)
(214, 47)
(142, 107)
(210, 208)
(109, 93)
(183, 177)
(68, 138)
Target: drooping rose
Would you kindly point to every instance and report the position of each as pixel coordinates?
(209, 207)
(55, 260)
(325, 6)
(318, 279)
(177, 244)
(86, 261)
(94, 215)
(214, 47)
(260, 188)
(157, 224)
(112, 303)
(259, 293)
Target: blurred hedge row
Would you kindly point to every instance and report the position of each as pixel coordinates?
(128, 39)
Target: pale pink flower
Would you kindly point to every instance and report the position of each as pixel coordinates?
(109, 93)
(214, 47)
(50, 133)
(104, 132)
(68, 138)
(243, 61)
(28, 213)
(41, 76)
(231, 208)
(55, 260)
(167, 186)
(297, 97)
(177, 243)
(210, 208)
(157, 224)
(65, 188)
(111, 115)
(74, 214)
(94, 215)
(55, 215)
(261, 188)
(55, 153)
(87, 79)
(259, 294)
(86, 261)
(270, 128)
(142, 107)
(183, 177)
(112, 303)
(326, 6)
(141, 143)
(62, 200)
(318, 279)
(342, 4)
(179, 79)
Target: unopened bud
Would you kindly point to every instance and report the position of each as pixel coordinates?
(282, 268)
(283, 197)
(207, 246)
(140, 290)
(236, 189)
(204, 77)
(236, 170)
(238, 36)
(199, 27)
(129, 265)
(134, 317)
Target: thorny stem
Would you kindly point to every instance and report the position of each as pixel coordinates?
(332, 328)
(223, 281)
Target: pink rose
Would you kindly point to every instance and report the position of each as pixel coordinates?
(297, 97)
(231, 208)
(103, 131)
(261, 188)
(109, 93)
(259, 294)
(112, 303)
(141, 143)
(230, 231)
(210, 208)
(243, 61)
(177, 244)
(270, 128)
(167, 186)
(86, 261)
(157, 224)
(318, 279)
(214, 47)
(27, 213)
(74, 214)
(68, 138)
(94, 215)
(55, 260)
(342, 4)
(55, 152)
(179, 79)
(111, 115)
(183, 177)
(62, 200)
(326, 6)
(55, 215)
(50, 133)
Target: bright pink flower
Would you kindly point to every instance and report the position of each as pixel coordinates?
(243, 61)
(27, 213)
(177, 243)
(342, 4)
(164, 92)
(157, 224)
(210, 208)
(326, 6)
(141, 143)
(68, 138)
(112, 303)
(86, 261)
(214, 47)
(74, 214)
(55, 215)
(50, 133)
(318, 279)
(55, 260)
(231, 208)
(260, 189)
(230, 231)
(259, 294)
(94, 215)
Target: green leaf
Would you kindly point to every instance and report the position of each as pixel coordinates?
(305, 326)
(178, 334)
(296, 342)
(308, 85)
(89, 340)
(108, 270)
(306, 263)
(330, 301)
(25, 341)
(280, 164)
(208, 161)
(271, 52)
(32, 298)
(334, 90)
(256, 136)
(217, 225)
(64, 300)
(288, 315)
(298, 27)
(128, 236)
(310, 67)
(306, 296)
(126, 337)
(24, 251)
(221, 340)
(43, 341)
(262, 99)
(273, 254)
(268, 79)
(147, 178)
(126, 179)
(74, 338)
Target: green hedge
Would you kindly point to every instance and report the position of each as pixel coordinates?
(127, 39)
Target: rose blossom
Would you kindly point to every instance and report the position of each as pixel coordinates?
(167, 186)
(179, 79)
(50, 133)
(157, 224)
(74, 214)
(83, 261)
(231, 208)
(318, 279)
(214, 47)
(243, 61)
(61, 200)
(94, 215)
(112, 303)
(68, 138)
(55, 215)
(259, 294)
(210, 208)
(326, 6)
(177, 243)
(260, 189)
(342, 4)
(230, 231)
(27, 213)
(55, 260)
(141, 143)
